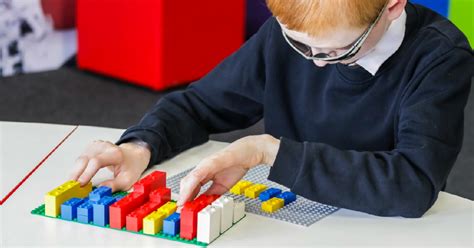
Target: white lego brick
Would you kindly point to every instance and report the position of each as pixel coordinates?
(208, 224)
(239, 210)
(226, 204)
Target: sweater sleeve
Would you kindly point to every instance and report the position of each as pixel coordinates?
(404, 181)
(228, 98)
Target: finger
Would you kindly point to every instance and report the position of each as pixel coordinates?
(216, 189)
(123, 182)
(79, 167)
(96, 163)
(189, 188)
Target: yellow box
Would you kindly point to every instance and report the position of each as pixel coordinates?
(272, 205)
(240, 187)
(62, 193)
(255, 190)
(153, 223)
(168, 208)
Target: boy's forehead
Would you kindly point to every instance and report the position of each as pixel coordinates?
(339, 37)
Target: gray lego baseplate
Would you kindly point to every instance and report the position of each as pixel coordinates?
(301, 212)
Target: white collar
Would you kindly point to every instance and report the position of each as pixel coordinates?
(386, 47)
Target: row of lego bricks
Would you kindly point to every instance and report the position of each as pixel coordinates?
(272, 198)
(148, 209)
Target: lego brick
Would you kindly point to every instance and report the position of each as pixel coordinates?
(239, 187)
(208, 224)
(168, 208)
(206, 199)
(189, 219)
(269, 194)
(287, 196)
(171, 224)
(226, 206)
(69, 208)
(99, 192)
(272, 205)
(119, 210)
(134, 220)
(100, 210)
(151, 182)
(160, 195)
(239, 211)
(84, 212)
(62, 193)
(254, 190)
(153, 223)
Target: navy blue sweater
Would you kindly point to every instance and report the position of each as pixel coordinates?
(381, 144)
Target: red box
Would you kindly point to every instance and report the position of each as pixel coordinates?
(157, 43)
(122, 208)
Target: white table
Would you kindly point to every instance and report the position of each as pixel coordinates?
(448, 223)
(22, 147)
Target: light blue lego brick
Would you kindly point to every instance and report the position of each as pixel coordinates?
(171, 224)
(100, 192)
(287, 196)
(69, 208)
(101, 210)
(269, 194)
(84, 212)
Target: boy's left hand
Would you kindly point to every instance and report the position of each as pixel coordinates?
(228, 166)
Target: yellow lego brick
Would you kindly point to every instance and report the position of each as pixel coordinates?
(255, 190)
(168, 208)
(240, 187)
(272, 205)
(62, 193)
(153, 223)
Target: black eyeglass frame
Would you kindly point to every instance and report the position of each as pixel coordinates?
(350, 53)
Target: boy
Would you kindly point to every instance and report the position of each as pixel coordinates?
(366, 98)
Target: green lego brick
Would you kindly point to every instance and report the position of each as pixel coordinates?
(41, 212)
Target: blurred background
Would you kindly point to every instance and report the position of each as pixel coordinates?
(106, 62)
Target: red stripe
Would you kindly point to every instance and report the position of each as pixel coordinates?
(37, 166)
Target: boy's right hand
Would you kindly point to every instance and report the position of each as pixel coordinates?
(127, 161)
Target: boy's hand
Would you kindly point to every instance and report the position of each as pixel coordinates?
(127, 161)
(228, 166)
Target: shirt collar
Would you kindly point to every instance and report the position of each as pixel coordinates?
(386, 47)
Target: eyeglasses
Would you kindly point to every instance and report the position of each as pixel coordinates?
(307, 52)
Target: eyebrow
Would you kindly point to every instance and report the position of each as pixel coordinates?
(334, 48)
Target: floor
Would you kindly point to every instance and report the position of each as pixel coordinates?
(71, 96)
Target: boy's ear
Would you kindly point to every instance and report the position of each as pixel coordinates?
(395, 8)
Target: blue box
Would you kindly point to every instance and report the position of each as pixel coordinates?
(269, 194)
(69, 208)
(84, 212)
(287, 196)
(171, 224)
(100, 192)
(101, 210)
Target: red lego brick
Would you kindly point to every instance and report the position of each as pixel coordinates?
(135, 218)
(160, 195)
(120, 209)
(151, 182)
(145, 42)
(188, 225)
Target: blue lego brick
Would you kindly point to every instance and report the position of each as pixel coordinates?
(287, 196)
(69, 208)
(269, 194)
(101, 210)
(171, 224)
(84, 212)
(100, 192)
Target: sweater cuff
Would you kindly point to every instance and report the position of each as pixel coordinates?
(288, 163)
(152, 139)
